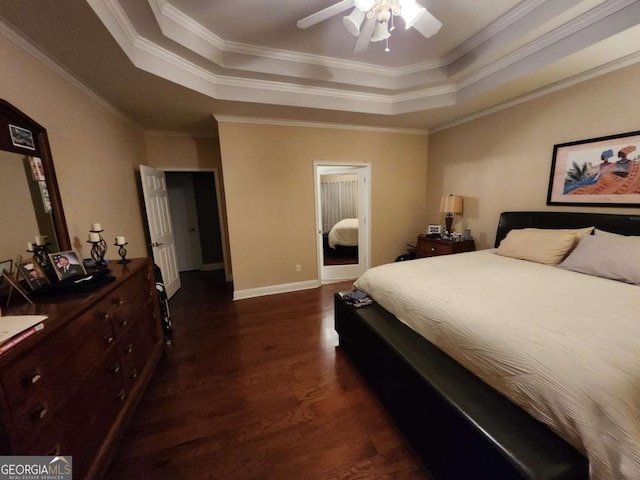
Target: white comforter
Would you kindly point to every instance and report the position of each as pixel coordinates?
(562, 345)
(344, 233)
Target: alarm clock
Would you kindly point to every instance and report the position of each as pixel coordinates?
(435, 230)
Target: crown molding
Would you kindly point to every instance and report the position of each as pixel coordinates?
(618, 64)
(170, 133)
(310, 124)
(20, 40)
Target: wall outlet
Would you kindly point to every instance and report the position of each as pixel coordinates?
(298, 268)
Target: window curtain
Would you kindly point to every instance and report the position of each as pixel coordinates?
(339, 201)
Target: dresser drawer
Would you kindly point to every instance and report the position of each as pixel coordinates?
(128, 302)
(44, 374)
(81, 425)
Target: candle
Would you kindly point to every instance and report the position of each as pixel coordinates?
(96, 227)
(120, 241)
(41, 240)
(94, 237)
(30, 247)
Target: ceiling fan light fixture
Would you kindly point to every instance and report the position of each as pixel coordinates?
(381, 32)
(353, 21)
(411, 12)
(365, 5)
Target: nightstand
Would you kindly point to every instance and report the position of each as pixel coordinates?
(432, 247)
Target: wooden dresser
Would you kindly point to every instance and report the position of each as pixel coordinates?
(431, 247)
(71, 388)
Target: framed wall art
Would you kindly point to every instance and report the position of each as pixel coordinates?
(598, 172)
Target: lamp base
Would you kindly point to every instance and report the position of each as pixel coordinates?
(448, 220)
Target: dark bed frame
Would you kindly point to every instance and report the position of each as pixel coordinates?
(459, 426)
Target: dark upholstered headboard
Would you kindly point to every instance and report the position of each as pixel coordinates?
(623, 224)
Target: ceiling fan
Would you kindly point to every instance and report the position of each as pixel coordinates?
(372, 20)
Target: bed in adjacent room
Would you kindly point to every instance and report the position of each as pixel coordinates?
(562, 343)
(344, 233)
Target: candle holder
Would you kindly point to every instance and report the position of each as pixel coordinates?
(123, 253)
(41, 254)
(98, 249)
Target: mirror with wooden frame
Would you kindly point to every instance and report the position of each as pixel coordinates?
(30, 203)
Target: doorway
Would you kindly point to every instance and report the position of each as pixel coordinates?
(195, 214)
(342, 194)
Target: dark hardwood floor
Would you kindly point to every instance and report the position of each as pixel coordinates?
(256, 389)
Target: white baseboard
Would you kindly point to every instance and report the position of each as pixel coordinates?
(274, 289)
(211, 266)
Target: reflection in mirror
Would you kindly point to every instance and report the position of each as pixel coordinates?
(339, 209)
(25, 210)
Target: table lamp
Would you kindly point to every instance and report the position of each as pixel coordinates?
(450, 204)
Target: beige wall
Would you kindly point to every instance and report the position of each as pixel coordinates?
(502, 161)
(269, 184)
(94, 151)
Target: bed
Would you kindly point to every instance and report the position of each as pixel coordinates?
(344, 233)
(468, 402)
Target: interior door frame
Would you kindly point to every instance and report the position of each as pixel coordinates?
(344, 272)
(223, 232)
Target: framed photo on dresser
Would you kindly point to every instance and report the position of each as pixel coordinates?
(67, 264)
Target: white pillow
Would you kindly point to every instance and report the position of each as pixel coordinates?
(610, 256)
(548, 246)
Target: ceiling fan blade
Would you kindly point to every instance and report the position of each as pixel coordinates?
(366, 32)
(323, 15)
(428, 25)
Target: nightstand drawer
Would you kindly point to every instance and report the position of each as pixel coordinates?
(433, 247)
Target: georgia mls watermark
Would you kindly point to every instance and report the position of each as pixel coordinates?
(36, 468)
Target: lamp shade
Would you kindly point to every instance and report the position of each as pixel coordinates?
(451, 204)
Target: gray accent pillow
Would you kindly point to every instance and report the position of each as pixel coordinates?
(610, 256)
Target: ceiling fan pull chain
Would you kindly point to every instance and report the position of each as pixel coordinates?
(392, 27)
(387, 47)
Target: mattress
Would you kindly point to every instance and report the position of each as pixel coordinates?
(344, 233)
(562, 345)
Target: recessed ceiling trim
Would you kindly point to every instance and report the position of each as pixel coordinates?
(618, 64)
(310, 124)
(160, 61)
(518, 12)
(611, 18)
(185, 31)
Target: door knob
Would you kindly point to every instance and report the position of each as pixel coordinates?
(156, 244)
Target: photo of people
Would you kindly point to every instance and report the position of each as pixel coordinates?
(67, 264)
(33, 274)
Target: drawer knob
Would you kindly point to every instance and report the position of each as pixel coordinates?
(124, 323)
(39, 412)
(120, 395)
(33, 377)
(117, 301)
(109, 339)
(105, 316)
(433, 249)
(115, 368)
(128, 349)
(134, 373)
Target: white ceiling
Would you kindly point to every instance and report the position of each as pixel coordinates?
(171, 64)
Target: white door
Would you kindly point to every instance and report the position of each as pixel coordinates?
(336, 273)
(184, 218)
(156, 202)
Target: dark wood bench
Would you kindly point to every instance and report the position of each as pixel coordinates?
(459, 426)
